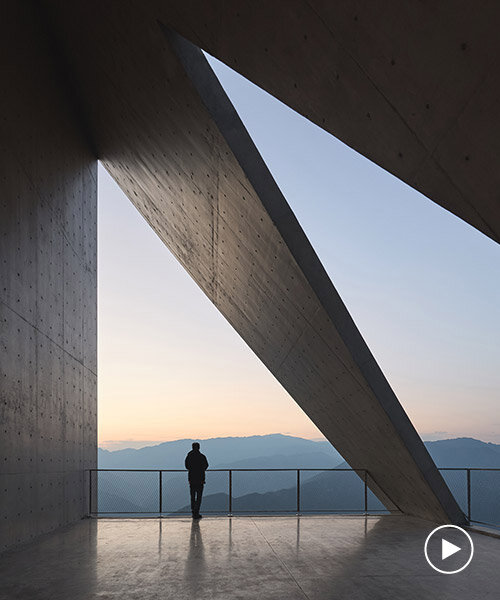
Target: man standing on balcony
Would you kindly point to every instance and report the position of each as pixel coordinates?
(196, 463)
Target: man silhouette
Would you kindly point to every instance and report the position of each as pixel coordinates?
(196, 463)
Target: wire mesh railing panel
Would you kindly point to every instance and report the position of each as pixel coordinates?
(373, 504)
(125, 492)
(264, 491)
(216, 493)
(456, 480)
(485, 496)
(175, 497)
(333, 491)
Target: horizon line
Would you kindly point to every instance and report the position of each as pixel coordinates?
(152, 443)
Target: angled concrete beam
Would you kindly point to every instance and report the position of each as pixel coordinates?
(169, 136)
(229, 124)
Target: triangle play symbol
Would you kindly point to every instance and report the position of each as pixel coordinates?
(448, 549)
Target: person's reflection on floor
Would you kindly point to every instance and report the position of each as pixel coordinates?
(195, 563)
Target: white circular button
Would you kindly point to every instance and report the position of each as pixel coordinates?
(448, 549)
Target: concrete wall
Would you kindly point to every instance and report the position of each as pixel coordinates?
(178, 150)
(48, 194)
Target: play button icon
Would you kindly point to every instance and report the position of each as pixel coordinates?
(448, 549)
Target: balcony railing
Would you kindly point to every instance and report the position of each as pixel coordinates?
(233, 491)
(477, 491)
(165, 492)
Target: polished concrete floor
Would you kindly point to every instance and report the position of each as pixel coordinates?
(324, 557)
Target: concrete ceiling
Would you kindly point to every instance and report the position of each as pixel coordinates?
(412, 85)
(164, 129)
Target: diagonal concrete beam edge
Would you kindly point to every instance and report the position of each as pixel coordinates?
(225, 116)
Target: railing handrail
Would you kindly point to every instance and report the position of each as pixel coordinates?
(290, 469)
(294, 469)
(468, 468)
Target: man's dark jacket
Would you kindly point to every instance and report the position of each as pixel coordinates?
(196, 463)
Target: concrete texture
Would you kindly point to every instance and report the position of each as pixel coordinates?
(48, 288)
(190, 168)
(314, 558)
(413, 86)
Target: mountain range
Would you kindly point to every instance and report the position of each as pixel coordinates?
(272, 491)
(257, 451)
(278, 450)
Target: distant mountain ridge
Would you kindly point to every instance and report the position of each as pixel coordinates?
(258, 451)
(464, 452)
(279, 450)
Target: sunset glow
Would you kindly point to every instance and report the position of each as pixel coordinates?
(422, 286)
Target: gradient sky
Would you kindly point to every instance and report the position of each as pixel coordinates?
(422, 286)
